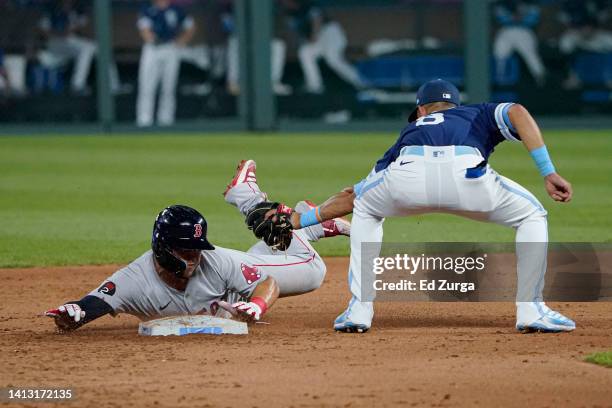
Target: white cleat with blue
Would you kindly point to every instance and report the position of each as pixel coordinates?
(536, 316)
(357, 318)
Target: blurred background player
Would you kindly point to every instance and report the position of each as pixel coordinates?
(518, 19)
(164, 29)
(278, 53)
(62, 25)
(5, 84)
(583, 20)
(320, 36)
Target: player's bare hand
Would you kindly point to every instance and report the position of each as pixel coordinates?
(67, 317)
(558, 188)
(249, 311)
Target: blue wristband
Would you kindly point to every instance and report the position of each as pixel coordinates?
(309, 218)
(542, 160)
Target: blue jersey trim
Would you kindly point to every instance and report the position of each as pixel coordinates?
(357, 187)
(412, 150)
(371, 186)
(506, 117)
(523, 194)
(503, 127)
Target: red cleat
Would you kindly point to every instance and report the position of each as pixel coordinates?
(245, 173)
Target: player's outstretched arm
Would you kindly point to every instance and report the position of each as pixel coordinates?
(338, 205)
(525, 125)
(72, 315)
(263, 297)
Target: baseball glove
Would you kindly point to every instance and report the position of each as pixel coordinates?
(275, 229)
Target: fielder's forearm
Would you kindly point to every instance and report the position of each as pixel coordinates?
(338, 205)
(529, 132)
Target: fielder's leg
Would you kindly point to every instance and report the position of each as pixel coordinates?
(358, 315)
(371, 205)
(519, 209)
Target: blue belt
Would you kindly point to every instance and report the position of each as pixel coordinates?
(420, 151)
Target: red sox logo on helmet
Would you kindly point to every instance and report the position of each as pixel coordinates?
(250, 273)
(198, 231)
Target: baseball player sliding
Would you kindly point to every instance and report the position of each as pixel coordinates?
(440, 164)
(184, 273)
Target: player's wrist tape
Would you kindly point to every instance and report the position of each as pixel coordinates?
(261, 303)
(310, 217)
(542, 160)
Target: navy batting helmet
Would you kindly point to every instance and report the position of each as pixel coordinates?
(178, 227)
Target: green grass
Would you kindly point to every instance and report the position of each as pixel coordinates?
(603, 358)
(92, 199)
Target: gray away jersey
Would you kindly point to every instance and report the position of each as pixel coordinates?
(138, 290)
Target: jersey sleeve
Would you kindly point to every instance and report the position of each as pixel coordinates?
(121, 290)
(244, 279)
(390, 155)
(497, 116)
(239, 273)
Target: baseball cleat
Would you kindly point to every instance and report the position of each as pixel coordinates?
(537, 317)
(245, 173)
(331, 228)
(357, 318)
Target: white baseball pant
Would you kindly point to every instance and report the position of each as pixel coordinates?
(426, 179)
(158, 64)
(297, 270)
(277, 59)
(61, 50)
(330, 44)
(524, 42)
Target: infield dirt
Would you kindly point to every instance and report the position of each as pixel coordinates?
(417, 354)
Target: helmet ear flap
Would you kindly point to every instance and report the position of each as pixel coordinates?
(167, 260)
